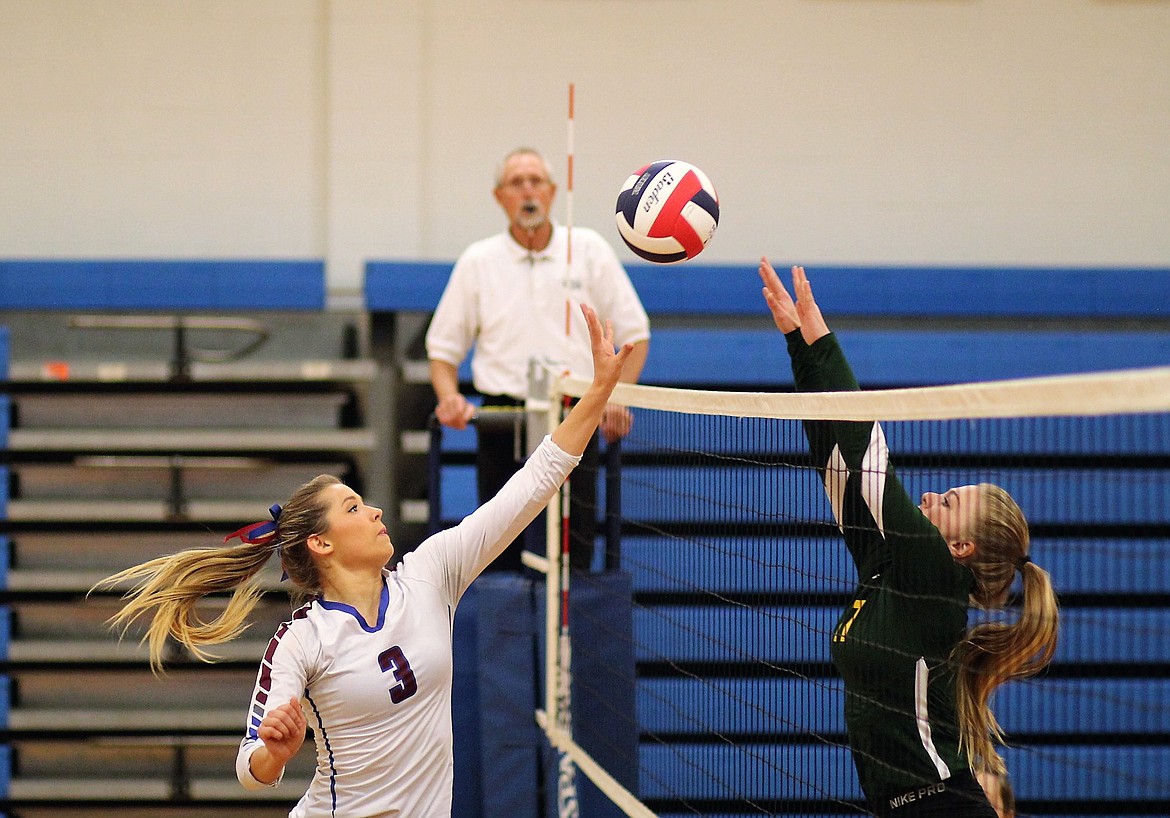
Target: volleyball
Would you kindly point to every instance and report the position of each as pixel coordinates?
(667, 211)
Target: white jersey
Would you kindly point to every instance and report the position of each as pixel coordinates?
(377, 695)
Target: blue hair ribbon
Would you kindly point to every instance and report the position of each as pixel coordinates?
(260, 533)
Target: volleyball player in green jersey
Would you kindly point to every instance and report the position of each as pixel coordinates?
(917, 679)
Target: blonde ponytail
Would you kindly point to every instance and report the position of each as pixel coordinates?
(172, 586)
(996, 652)
(168, 589)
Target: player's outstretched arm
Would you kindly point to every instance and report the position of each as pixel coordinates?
(577, 428)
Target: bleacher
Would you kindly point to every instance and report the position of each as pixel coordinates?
(156, 406)
(1104, 704)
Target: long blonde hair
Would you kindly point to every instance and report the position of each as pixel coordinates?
(167, 589)
(995, 652)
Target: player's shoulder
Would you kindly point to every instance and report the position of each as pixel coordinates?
(423, 564)
(303, 627)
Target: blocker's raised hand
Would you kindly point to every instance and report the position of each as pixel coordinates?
(812, 323)
(780, 303)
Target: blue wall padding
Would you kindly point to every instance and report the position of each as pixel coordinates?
(459, 491)
(1103, 435)
(412, 286)
(756, 359)
(1123, 496)
(464, 441)
(749, 771)
(5, 760)
(1081, 772)
(268, 284)
(5, 562)
(604, 717)
(468, 791)
(884, 291)
(509, 737)
(787, 565)
(792, 633)
(796, 706)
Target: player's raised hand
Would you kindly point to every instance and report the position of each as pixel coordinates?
(780, 303)
(812, 323)
(607, 364)
(574, 432)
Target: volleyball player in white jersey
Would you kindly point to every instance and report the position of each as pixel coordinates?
(366, 663)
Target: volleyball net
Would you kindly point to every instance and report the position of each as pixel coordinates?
(738, 574)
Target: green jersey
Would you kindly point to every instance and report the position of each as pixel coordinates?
(891, 645)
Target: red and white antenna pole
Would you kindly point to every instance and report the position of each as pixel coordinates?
(569, 211)
(567, 805)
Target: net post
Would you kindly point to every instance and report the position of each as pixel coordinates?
(552, 591)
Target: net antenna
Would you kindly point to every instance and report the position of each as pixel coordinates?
(559, 678)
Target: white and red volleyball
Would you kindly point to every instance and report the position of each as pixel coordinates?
(667, 211)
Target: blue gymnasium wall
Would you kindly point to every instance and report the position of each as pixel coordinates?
(734, 290)
(162, 284)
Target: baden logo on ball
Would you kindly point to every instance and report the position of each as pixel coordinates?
(667, 211)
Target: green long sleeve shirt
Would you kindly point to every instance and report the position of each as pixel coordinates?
(891, 644)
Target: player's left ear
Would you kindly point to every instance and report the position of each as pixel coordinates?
(962, 550)
(318, 545)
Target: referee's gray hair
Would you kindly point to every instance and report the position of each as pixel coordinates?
(523, 151)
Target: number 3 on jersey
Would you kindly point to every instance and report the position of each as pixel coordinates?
(393, 660)
(843, 628)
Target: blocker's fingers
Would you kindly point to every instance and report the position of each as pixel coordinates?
(772, 282)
